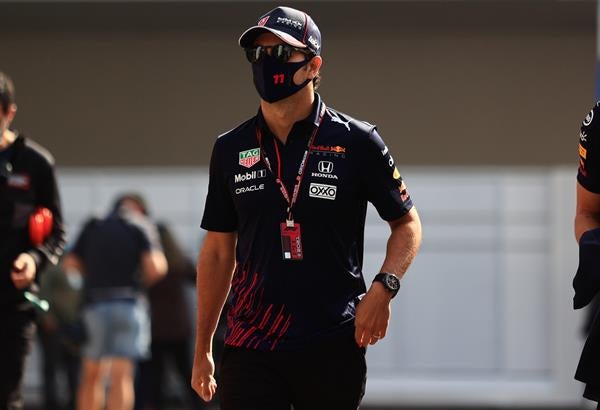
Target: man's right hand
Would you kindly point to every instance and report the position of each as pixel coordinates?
(203, 381)
(23, 271)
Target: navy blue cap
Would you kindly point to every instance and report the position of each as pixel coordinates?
(294, 27)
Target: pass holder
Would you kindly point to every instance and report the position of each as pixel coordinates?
(291, 241)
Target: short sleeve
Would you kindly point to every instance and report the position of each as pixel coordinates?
(145, 242)
(80, 243)
(381, 180)
(148, 238)
(588, 174)
(219, 209)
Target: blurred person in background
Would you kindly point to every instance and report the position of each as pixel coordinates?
(587, 234)
(285, 215)
(119, 256)
(61, 335)
(31, 234)
(171, 325)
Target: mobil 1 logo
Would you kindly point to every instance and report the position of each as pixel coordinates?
(322, 191)
(250, 175)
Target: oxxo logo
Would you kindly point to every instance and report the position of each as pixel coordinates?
(250, 175)
(322, 191)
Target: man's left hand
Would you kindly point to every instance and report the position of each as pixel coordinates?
(23, 271)
(372, 315)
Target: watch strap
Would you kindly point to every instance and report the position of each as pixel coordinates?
(390, 281)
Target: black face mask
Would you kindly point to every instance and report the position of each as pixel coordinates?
(274, 80)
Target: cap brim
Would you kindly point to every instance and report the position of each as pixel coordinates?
(247, 38)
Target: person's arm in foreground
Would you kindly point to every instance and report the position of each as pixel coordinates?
(154, 266)
(29, 263)
(373, 312)
(216, 263)
(587, 214)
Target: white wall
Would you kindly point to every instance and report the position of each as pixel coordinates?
(484, 315)
(174, 195)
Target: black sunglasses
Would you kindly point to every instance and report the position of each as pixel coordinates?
(280, 52)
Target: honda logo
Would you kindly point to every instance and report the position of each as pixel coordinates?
(326, 167)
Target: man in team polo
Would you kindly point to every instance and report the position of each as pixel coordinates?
(285, 215)
(587, 233)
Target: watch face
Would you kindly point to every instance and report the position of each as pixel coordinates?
(392, 281)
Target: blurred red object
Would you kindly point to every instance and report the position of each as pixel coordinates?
(40, 225)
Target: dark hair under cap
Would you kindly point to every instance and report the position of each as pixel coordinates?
(131, 196)
(7, 92)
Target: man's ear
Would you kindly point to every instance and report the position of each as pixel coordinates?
(12, 111)
(315, 65)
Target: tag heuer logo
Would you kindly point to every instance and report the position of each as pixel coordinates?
(250, 157)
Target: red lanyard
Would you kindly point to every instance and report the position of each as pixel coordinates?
(290, 201)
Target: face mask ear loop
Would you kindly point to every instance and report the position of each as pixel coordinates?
(291, 78)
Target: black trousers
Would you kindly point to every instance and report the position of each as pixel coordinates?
(326, 377)
(18, 331)
(59, 355)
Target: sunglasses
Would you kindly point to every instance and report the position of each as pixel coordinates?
(280, 52)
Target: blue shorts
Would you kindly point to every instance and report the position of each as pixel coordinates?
(117, 328)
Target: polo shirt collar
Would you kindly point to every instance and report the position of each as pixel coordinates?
(312, 119)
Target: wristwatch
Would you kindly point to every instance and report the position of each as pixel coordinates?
(389, 281)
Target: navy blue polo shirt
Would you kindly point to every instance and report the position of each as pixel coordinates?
(278, 304)
(588, 173)
(111, 250)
